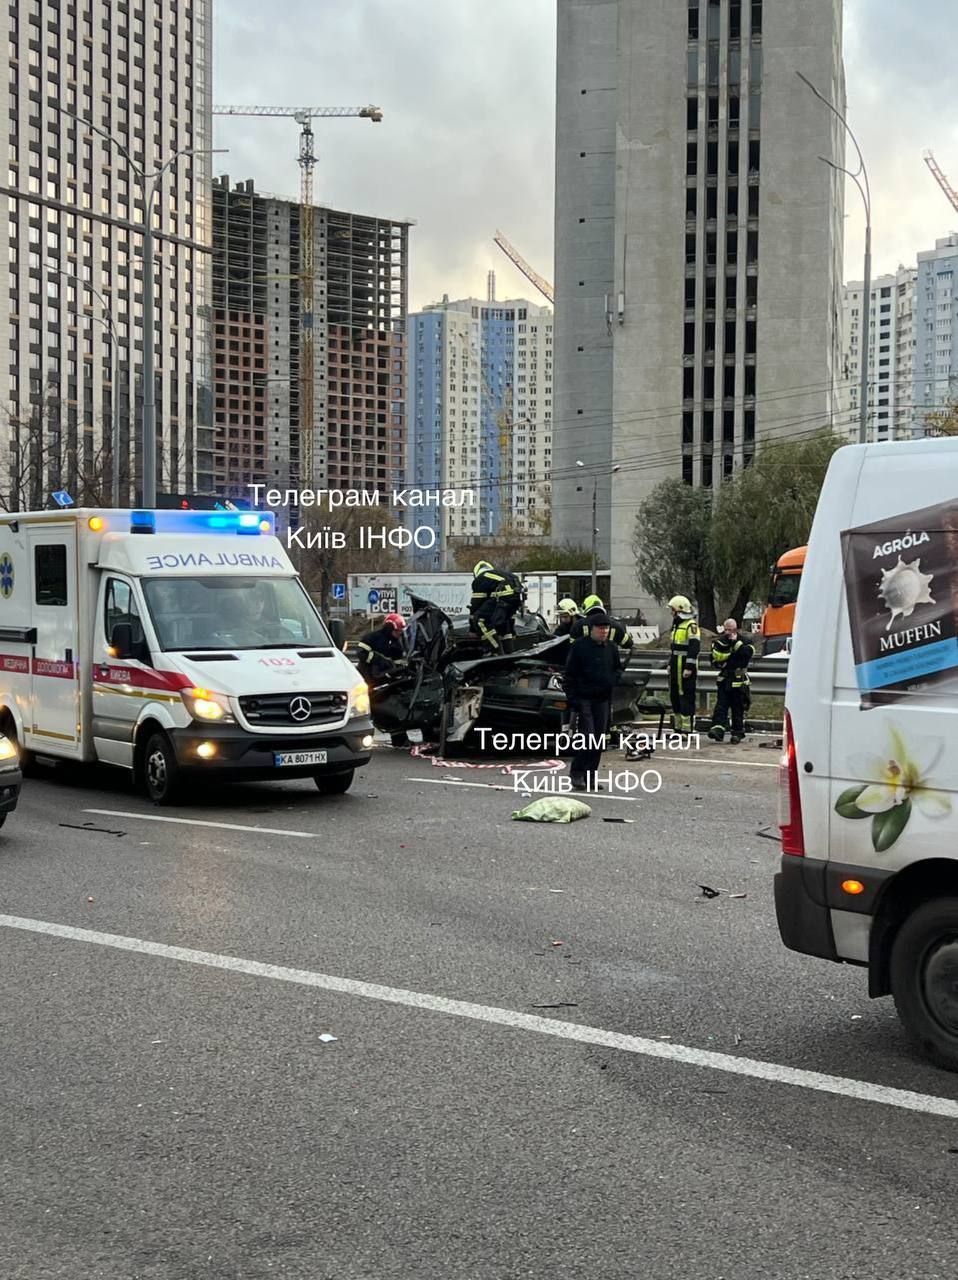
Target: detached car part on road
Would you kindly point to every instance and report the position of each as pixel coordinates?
(10, 777)
(451, 687)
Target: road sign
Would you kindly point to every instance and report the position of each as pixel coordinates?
(62, 498)
(384, 602)
(373, 597)
(339, 591)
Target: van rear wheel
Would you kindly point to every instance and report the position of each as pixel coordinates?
(924, 980)
(160, 770)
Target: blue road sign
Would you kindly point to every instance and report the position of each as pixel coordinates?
(339, 591)
(62, 498)
(373, 597)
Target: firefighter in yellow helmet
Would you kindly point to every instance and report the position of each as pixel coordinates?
(496, 599)
(683, 663)
(568, 612)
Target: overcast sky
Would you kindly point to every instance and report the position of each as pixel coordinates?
(467, 88)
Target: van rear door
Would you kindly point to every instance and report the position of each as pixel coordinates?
(54, 722)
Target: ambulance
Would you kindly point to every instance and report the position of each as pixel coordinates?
(869, 780)
(179, 646)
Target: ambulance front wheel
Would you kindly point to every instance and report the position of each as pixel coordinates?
(334, 784)
(160, 771)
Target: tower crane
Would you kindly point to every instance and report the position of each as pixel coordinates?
(307, 163)
(544, 287)
(942, 181)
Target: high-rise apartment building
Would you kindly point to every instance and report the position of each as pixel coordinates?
(698, 247)
(480, 416)
(72, 238)
(359, 345)
(936, 330)
(891, 347)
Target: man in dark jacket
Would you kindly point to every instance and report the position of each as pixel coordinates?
(731, 654)
(591, 674)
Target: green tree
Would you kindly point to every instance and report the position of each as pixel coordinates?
(944, 421)
(672, 543)
(765, 510)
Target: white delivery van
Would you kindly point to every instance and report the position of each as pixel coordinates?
(179, 645)
(869, 822)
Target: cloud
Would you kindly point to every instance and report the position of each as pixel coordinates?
(900, 71)
(467, 140)
(467, 143)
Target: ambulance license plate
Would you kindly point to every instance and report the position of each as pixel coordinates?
(295, 759)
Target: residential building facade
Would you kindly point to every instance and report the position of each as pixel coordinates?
(936, 330)
(480, 417)
(891, 355)
(71, 310)
(359, 346)
(698, 249)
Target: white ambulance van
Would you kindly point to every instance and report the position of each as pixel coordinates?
(179, 645)
(869, 794)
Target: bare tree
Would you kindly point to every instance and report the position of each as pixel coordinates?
(47, 450)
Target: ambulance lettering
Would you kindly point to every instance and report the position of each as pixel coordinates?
(223, 560)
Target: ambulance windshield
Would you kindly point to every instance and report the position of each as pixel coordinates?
(232, 613)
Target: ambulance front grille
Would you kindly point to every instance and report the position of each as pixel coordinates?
(294, 710)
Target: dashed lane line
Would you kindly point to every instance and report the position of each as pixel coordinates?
(683, 1055)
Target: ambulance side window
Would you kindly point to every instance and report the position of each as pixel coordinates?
(121, 608)
(50, 574)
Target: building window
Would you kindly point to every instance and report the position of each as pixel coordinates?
(691, 159)
(694, 21)
(692, 113)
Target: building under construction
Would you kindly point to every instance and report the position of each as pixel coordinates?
(358, 382)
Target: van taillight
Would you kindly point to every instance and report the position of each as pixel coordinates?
(789, 798)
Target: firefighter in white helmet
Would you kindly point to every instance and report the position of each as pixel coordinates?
(683, 663)
(568, 611)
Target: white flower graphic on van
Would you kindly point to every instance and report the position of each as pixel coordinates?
(895, 783)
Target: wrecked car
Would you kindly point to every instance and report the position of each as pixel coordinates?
(452, 686)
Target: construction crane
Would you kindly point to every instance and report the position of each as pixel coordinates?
(307, 163)
(942, 181)
(544, 287)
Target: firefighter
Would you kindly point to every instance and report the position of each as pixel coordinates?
(619, 633)
(731, 655)
(683, 663)
(382, 653)
(496, 599)
(568, 614)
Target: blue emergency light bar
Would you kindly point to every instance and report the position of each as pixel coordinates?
(237, 522)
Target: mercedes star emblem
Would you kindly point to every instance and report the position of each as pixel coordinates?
(300, 708)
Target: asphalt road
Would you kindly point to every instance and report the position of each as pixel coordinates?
(170, 1116)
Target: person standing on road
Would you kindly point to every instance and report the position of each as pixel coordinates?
(683, 663)
(731, 655)
(591, 674)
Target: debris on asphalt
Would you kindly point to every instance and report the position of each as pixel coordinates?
(88, 826)
(769, 833)
(560, 1004)
(553, 809)
(326, 1038)
(91, 899)
(558, 944)
(738, 1038)
(709, 892)
(618, 820)
(738, 895)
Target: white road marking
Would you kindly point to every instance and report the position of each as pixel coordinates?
(196, 822)
(522, 792)
(732, 764)
(774, 1073)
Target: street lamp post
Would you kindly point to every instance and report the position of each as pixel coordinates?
(107, 321)
(860, 179)
(595, 525)
(151, 185)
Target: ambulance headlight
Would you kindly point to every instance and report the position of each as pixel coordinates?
(203, 705)
(8, 750)
(359, 699)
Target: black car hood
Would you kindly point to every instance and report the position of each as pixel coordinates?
(551, 652)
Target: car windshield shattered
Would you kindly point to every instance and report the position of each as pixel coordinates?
(452, 686)
(232, 613)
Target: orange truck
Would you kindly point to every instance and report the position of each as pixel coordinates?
(778, 617)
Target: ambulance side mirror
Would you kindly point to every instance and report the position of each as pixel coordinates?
(337, 629)
(121, 641)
